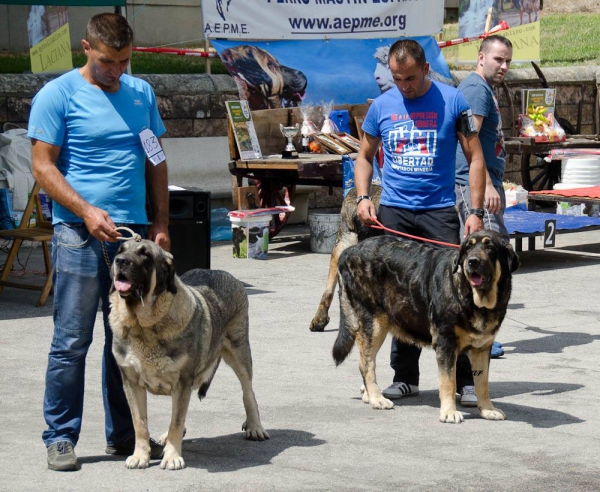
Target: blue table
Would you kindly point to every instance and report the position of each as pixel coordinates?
(522, 223)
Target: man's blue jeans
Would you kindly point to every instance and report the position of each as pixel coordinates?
(81, 279)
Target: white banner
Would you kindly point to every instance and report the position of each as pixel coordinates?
(321, 19)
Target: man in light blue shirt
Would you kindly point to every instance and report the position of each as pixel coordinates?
(88, 156)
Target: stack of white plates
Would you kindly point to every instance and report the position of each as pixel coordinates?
(567, 186)
(579, 172)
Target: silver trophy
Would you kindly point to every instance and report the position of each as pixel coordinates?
(289, 132)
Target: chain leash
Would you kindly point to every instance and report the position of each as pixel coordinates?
(136, 237)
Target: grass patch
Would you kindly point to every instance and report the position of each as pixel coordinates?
(450, 53)
(567, 39)
(158, 63)
(571, 39)
(14, 63)
(141, 63)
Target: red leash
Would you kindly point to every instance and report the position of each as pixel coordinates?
(383, 228)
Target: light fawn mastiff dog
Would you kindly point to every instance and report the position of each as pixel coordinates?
(170, 334)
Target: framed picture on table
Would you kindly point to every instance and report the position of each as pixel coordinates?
(347, 140)
(326, 140)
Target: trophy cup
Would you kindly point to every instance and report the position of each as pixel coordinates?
(289, 132)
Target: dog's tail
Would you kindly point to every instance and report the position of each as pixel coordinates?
(343, 343)
(206, 384)
(347, 333)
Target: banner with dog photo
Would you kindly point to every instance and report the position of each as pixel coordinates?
(281, 74)
(522, 17)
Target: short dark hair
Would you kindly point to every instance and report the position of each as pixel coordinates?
(486, 44)
(405, 48)
(112, 30)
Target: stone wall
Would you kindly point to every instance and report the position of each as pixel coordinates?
(191, 105)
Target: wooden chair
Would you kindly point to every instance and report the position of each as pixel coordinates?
(42, 232)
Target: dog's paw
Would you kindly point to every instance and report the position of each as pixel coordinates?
(363, 394)
(172, 462)
(162, 440)
(381, 403)
(492, 414)
(451, 417)
(255, 432)
(137, 461)
(318, 323)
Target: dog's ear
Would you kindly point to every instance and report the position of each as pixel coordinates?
(511, 257)
(171, 287)
(165, 273)
(461, 255)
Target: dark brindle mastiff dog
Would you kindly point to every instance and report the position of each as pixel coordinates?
(170, 334)
(450, 299)
(350, 232)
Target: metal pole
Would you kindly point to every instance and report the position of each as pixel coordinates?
(122, 11)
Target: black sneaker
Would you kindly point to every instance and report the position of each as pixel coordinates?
(126, 448)
(61, 457)
(398, 390)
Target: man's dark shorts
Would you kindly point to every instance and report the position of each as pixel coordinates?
(442, 224)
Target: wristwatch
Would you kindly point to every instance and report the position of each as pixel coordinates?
(478, 212)
(361, 198)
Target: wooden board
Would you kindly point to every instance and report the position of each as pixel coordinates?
(233, 150)
(358, 121)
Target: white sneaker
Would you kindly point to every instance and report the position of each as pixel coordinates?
(468, 397)
(399, 389)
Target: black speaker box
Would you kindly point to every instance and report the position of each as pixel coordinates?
(189, 228)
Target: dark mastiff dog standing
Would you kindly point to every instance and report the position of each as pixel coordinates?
(452, 300)
(170, 334)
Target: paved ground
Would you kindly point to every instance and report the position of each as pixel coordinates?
(322, 436)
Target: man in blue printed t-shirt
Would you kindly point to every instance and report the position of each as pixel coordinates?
(419, 124)
(88, 156)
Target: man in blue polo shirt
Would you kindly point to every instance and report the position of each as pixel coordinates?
(88, 156)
